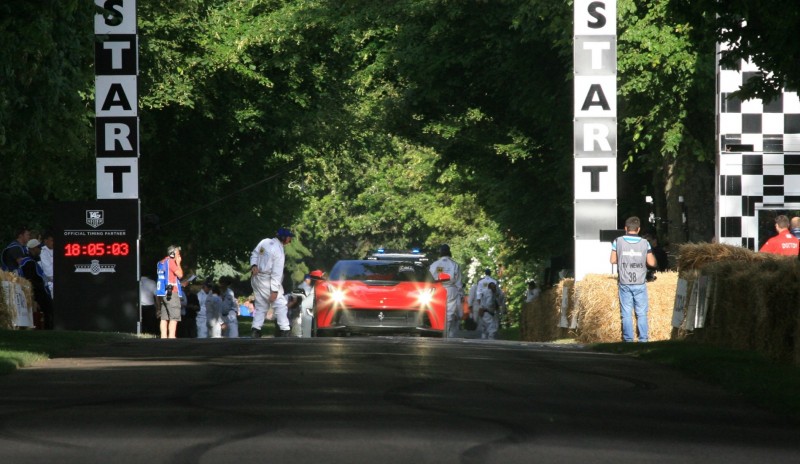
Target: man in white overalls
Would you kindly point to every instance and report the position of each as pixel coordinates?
(266, 269)
(446, 265)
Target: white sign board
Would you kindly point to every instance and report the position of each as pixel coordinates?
(116, 100)
(595, 132)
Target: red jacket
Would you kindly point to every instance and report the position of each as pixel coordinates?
(782, 244)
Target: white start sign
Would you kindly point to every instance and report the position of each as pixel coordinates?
(116, 100)
(595, 132)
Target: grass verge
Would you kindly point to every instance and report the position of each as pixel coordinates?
(769, 384)
(20, 348)
(509, 333)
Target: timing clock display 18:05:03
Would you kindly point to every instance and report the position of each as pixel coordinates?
(76, 250)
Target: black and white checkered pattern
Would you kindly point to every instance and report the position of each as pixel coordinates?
(759, 156)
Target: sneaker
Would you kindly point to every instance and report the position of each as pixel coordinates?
(285, 333)
(256, 333)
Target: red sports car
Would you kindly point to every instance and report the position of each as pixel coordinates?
(380, 296)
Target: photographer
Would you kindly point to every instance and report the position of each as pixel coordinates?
(169, 291)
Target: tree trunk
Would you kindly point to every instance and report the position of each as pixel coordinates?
(689, 198)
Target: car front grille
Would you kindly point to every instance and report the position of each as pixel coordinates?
(381, 318)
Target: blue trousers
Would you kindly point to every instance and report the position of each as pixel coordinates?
(633, 300)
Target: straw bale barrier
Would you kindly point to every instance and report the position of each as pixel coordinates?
(8, 313)
(754, 299)
(594, 304)
(597, 306)
(752, 303)
(695, 256)
(539, 321)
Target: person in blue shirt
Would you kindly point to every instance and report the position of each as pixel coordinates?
(13, 254)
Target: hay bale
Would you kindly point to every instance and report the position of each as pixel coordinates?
(8, 313)
(597, 306)
(754, 307)
(695, 256)
(661, 294)
(540, 318)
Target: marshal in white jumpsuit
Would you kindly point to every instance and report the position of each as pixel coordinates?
(446, 265)
(269, 257)
(481, 287)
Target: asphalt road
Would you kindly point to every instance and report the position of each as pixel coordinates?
(373, 400)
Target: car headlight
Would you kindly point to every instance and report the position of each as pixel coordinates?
(337, 295)
(425, 297)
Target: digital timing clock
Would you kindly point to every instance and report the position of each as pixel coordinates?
(96, 264)
(76, 250)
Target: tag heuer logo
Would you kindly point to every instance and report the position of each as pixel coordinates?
(95, 267)
(94, 217)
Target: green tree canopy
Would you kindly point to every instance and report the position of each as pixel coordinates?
(360, 123)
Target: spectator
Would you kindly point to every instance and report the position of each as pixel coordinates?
(784, 243)
(662, 260)
(16, 251)
(481, 287)
(294, 312)
(471, 320)
(187, 328)
(147, 298)
(467, 307)
(230, 308)
(214, 312)
(246, 308)
(492, 303)
(532, 293)
(46, 259)
(795, 226)
(202, 318)
(31, 270)
(306, 286)
(632, 255)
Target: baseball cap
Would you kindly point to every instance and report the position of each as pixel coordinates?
(33, 243)
(284, 232)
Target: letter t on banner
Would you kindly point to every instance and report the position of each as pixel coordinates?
(595, 133)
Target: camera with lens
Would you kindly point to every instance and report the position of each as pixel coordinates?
(169, 291)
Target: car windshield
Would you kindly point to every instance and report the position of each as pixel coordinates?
(386, 271)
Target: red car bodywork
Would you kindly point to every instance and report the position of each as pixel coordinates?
(367, 296)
